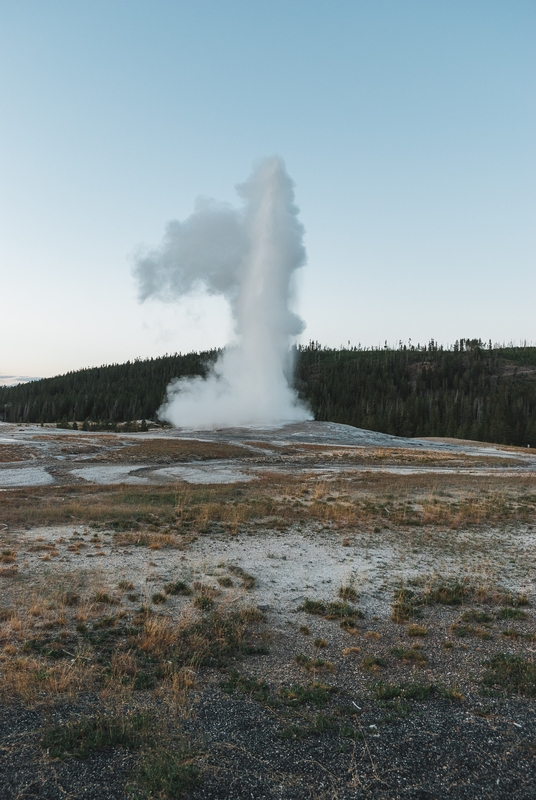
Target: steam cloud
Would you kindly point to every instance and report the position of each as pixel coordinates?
(248, 255)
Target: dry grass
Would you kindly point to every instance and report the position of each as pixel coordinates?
(10, 453)
(176, 690)
(159, 635)
(416, 630)
(116, 506)
(454, 591)
(349, 501)
(57, 644)
(165, 451)
(150, 539)
(382, 456)
(59, 640)
(9, 572)
(33, 680)
(346, 502)
(397, 456)
(348, 592)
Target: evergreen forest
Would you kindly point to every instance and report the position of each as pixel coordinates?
(469, 391)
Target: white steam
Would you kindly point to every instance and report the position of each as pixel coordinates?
(249, 255)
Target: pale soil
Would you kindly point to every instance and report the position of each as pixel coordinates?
(51, 456)
(460, 745)
(304, 561)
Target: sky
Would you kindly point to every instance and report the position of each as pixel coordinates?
(408, 127)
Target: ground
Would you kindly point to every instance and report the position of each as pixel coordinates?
(305, 612)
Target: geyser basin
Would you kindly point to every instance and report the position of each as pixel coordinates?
(249, 255)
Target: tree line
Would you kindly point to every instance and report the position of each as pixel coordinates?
(468, 391)
(101, 395)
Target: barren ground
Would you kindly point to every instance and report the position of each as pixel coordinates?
(306, 612)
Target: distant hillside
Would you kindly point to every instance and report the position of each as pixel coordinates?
(116, 393)
(471, 391)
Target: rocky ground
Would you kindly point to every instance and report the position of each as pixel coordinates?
(306, 612)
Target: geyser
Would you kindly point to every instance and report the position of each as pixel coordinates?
(249, 255)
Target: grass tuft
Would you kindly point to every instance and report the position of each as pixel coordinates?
(310, 664)
(472, 615)
(334, 610)
(204, 602)
(256, 688)
(104, 597)
(158, 598)
(317, 694)
(373, 663)
(166, 774)
(416, 630)
(248, 581)
(177, 588)
(89, 734)
(511, 613)
(510, 673)
(408, 691)
(347, 592)
(412, 655)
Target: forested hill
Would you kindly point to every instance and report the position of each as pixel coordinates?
(116, 393)
(470, 391)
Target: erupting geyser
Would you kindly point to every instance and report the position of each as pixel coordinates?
(249, 255)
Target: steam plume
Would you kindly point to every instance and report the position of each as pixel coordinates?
(249, 255)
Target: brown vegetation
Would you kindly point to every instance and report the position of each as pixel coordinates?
(344, 502)
(166, 643)
(165, 451)
(16, 452)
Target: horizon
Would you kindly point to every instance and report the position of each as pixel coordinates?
(408, 131)
(7, 381)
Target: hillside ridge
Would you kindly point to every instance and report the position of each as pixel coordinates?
(470, 391)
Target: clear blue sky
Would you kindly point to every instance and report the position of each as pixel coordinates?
(409, 128)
